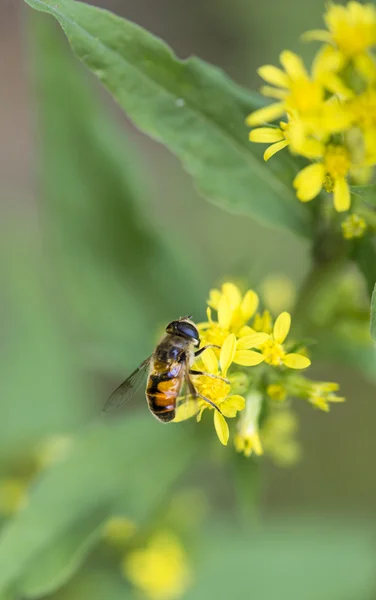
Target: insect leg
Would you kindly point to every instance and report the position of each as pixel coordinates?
(196, 394)
(204, 348)
(194, 372)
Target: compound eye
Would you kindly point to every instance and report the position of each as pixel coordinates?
(188, 329)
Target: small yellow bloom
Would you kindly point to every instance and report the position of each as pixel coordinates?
(247, 439)
(233, 311)
(352, 28)
(13, 495)
(263, 322)
(276, 136)
(331, 172)
(160, 570)
(322, 393)
(118, 530)
(273, 351)
(214, 386)
(353, 226)
(276, 391)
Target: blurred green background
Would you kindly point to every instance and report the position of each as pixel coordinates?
(104, 239)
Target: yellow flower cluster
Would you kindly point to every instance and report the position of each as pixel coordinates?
(245, 370)
(330, 113)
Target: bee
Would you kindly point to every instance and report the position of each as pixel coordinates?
(168, 368)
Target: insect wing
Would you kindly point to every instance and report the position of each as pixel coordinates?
(128, 388)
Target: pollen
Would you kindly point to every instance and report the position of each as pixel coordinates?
(273, 353)
(337, 161)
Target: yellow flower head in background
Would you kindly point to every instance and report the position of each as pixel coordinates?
(321, 394)
(351, 28)
(354, 226)
(160, 569)
(329, 115)
(247, 439)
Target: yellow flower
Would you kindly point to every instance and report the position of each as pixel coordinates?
(353, 226)
(159, 570)
(295, 89)
(233, 311)
(118, 530)
(322, 393)
(263, 322)
(247, 439)
(272, 350)
(276, 136)
(13, 495)
(332, 173)
(352, 28)
(276, 391)
(218, 389)
(277, 436)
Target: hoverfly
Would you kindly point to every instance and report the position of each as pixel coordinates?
(169, 368)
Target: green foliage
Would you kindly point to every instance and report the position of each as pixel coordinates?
(190, 106)
(95, 216)
(366, 192)
(373, 314)
(98, 476)
(303, 559)
(365, 257)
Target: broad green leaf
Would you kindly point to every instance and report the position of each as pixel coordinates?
(53, 567)
(365, 257)
(373, 314)
(119, 275)
(109, 464)
(190, 106)
(40, 391)
(365, 192)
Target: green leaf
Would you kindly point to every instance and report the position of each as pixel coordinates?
(109, 464)
(190, 106)
(117, 272)
(365, 257)
(54, 566)
(373, 314)
(39, 383)
(365, 192)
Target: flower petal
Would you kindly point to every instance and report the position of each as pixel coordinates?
(317, 35)
(214, 298)
(186, 410)
(308, 181)
(221, 428)
(266, 135)
(251, 341)
(248, 358)
(296, 361)
(227, 354)
(271, 92)
(266, 114)
(274, 75)
(232, 405)
(249, 304)
(233, 294)
(341, 195)
(224, 312)
(210, 361)
(293, 65)
(274, 148)
(282, 327)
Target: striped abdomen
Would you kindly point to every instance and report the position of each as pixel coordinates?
(163, 389)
